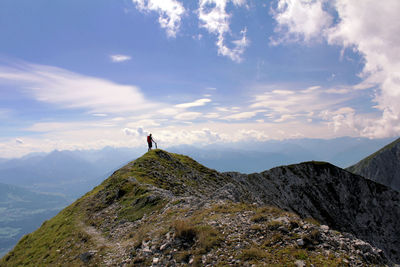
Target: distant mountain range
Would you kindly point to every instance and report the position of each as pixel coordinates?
(382, 166)
(260, 156)
(72, 173)
(69, 173)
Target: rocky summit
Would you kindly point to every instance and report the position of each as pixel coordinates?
(382, 166)
(166, 209)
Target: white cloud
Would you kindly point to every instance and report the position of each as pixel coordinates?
(341, 119)
(119, 58)
(285, 117)
(67, 89)
(370, 28)
(216, 20)
(203, 136)
(197, 103)
(174, 136)
(338, 90)
(222, 109)
(300, 20)
(143, 123)
(188, 116)
(89, 136)
(251, 135)
(241, 115)
(283, 92)
(169, 11)
(283, 104)
(169, 111)
(138, 132)
(373, 31)
(311, 89)
(212, 115)
(118, 119)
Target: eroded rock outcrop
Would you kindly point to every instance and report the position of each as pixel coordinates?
(340, 199)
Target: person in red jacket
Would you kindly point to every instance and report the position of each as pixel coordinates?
(150, 141)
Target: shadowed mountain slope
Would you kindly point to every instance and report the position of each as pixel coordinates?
(382, 166)
(166, 209)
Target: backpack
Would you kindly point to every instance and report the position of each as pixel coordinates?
(148, 139)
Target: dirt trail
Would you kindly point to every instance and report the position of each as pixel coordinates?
(115, 249)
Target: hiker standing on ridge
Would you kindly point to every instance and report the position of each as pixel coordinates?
(150, 141)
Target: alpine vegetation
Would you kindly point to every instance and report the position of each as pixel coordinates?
(165, 209)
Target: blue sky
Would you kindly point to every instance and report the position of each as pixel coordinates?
(88, 74)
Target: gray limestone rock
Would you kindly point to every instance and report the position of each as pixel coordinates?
(383, 166)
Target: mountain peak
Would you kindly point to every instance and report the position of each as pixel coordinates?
(167, 209)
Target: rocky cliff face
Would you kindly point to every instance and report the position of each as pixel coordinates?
(165, 209)
(383, 166)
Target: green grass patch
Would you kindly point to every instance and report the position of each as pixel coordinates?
(184, 230)
(253, 253)
(207, 237)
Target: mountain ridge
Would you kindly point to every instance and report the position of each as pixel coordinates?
(382, 166)
(169, 199)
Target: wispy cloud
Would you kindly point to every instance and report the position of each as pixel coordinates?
(72, 90)
(216, 20)
(283, 104)
(187, 116)
(243, 115)
(143, 123)
(169, 11)
(197, 103)
(285, 117)
(212, 115)
(119, 58)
